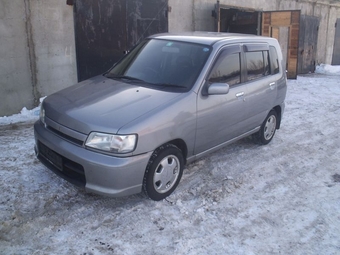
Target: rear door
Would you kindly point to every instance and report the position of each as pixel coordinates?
(261, 81)
(220, 117)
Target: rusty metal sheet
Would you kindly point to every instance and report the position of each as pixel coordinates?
(100, 35)
(309, 27)
(144, 18)
(104, 29)
(235, 19)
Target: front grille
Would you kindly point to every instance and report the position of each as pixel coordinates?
(66, 137)
(62, 166)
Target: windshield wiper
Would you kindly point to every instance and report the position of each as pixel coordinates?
(125, 77)
(169, 85)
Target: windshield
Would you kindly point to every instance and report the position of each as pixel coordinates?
(162, 64)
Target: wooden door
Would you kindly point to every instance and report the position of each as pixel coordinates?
(285, 27)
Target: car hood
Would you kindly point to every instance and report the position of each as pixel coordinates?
(102, 104)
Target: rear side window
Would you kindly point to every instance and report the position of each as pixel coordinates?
(227, 69)
(257, 64)
(274, 60)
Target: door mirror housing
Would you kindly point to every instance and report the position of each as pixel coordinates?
(218, 89)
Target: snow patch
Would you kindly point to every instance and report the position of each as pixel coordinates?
(25, 115)
(328, 69)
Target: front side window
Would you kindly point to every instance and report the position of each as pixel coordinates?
(227, 69)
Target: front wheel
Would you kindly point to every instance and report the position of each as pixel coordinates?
(163, 172)
(268, 128)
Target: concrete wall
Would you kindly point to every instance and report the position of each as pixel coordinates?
(181, 15)
(201, 18)
(334, 14)
(37, 52)
(15, 74)
(54, 45)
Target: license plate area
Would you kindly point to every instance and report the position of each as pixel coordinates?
(54, 158)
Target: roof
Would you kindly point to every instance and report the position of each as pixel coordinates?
(208, 38)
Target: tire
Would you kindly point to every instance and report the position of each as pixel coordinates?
(163, 172)
(268, 128)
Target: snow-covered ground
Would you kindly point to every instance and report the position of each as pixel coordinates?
(282, 198)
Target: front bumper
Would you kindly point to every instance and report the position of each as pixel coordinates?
(99, 173)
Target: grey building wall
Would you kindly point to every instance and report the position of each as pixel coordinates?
(37, 46)
(181, 15)
(37, 52)
(328, 12)
(199, 17)
(15, 74)
(54, 45)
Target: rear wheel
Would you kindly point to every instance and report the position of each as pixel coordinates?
(163, 172)
(268, 128)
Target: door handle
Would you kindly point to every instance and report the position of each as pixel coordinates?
(271, 85)
(239, 94)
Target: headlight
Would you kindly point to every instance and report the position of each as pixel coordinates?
(42, 114)
(112, 143)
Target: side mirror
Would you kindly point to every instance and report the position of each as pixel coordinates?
(218, 89)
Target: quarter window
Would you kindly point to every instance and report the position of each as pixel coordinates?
(227, 69)
(274, 63)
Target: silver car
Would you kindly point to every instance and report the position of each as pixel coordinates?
(171, 100)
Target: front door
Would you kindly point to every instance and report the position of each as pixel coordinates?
(220, 117)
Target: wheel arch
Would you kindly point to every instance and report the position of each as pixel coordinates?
(182, 146)
(161, 187)
(278, 111)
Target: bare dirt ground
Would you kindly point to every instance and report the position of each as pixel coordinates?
(283, 198)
